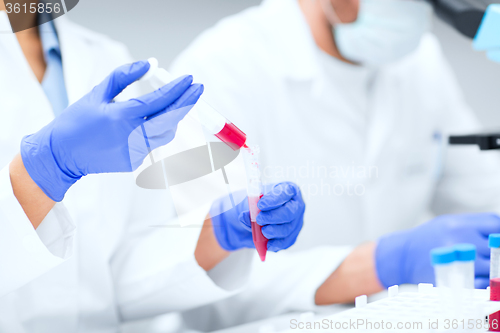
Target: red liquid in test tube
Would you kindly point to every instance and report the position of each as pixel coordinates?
(494, 245)
(258, 238)
(495, 289)
(494, 319)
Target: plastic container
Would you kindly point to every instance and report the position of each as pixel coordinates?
(443, 259)
(213, 121)
(254, 192)
(466, 255)
(494, 244)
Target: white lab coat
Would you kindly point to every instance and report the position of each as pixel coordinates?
(95, 260)
(368, 147)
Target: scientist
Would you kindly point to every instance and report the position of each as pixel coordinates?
(352, 100)
(77, 250)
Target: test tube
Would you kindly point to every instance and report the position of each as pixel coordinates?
(443, 259)
(494, 244)
(466, 254)
(213, 121)
(254, 192)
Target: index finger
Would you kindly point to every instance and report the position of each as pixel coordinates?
(158, 100)
(277, 197)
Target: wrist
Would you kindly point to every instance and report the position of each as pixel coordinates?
(42, 166)
(355, 276)
(208, 252)
(220, 233)
(35, 203)
(390, 256)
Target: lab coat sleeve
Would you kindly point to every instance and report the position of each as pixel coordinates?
(26, 253)
(470, 180)
(155, 269)
(286, 282)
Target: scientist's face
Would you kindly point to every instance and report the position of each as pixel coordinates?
(377, 32)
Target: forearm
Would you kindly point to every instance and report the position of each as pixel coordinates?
(35, 203)
(208, 252)
(354, 277)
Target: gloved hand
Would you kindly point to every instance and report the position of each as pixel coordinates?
(95, 135)
(404, 256)
(281, 218)
(488, 36)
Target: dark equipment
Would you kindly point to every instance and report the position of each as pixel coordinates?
(464, 15)
(484, 141)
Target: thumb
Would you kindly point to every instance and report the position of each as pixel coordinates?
(120, 79)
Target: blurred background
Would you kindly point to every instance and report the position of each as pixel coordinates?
(163, 28)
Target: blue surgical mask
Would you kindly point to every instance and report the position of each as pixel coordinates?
(385, 31)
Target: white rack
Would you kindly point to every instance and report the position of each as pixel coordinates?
(428, 310)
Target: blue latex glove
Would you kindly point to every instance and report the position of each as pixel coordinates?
(404, 257)
(488, 36)
(281, 218)
(96, 135)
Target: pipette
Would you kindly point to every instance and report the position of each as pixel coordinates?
(494, 244)
(254, 192)
(213, 121)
